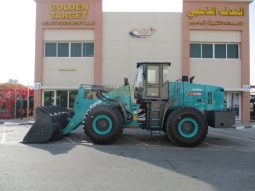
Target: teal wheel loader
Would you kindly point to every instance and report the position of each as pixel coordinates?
(181, 109)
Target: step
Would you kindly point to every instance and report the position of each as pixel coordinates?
(154, 127)
(155, 133)
(155, 119)
(155, 110)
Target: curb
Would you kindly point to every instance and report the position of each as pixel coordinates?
(17, 123)
(244, 127)
(27, 123)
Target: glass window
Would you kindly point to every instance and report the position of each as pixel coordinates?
(165, 74)
(76, 50)
(62, 98)
(88, 49)
(88, 94)
(220, 50)
(153, 75)
(50, 49)
(207, 51)
(139, 82)
(152, 92)
(72, 96)
(48, 98)
(195, 50)
(63, 49)
(232, 50)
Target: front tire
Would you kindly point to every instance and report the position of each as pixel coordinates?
(186, 126)
(103, 124)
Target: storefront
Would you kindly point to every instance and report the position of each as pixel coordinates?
(78, 43)
(68, 49)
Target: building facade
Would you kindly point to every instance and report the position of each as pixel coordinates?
(78, 43)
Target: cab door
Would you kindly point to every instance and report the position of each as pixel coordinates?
(152, 86)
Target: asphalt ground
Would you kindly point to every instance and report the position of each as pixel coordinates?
(137, 161)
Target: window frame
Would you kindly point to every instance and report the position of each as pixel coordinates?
(83, 53)
(200, 50)
(238, 51)
(80, 50)
(67, 51)
(45, 44)
(70, 49)
(213, 49)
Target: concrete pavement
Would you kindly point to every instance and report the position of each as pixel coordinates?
(137, 162)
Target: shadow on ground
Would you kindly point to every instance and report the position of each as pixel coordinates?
(217, 161)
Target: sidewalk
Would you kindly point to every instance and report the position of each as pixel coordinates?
(31, 120)
(239, 125)
(24, 121)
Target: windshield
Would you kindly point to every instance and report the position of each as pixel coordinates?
(139, 83)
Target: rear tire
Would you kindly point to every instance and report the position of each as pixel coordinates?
(103, 124)
(186, 126)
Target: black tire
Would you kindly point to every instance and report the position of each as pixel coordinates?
(103, 124)
(187, 127)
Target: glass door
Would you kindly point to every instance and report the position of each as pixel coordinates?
(233, 102)
(49, 98)
(64, 98)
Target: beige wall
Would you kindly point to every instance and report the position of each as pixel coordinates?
(215, 36)
(69, 34)
(121, 52)
(224, 73)
(221, 72)
(67, 72)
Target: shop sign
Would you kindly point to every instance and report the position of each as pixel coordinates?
(64, 13)
(69, 11)
(141, 32)
(82, 22)
(37, 86)
(215, 22)
(215, 11)
(246, 88)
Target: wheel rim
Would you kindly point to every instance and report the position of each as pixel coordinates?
(188, 127)
(102, 124)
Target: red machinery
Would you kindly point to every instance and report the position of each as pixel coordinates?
(10, 100)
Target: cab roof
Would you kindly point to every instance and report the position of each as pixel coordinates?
(154, 63)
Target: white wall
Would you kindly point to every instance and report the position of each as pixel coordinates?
(121, 52)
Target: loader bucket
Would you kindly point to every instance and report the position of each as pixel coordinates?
(49, 124)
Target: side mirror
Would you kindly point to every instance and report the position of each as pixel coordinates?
(191, 79)
(126, 81)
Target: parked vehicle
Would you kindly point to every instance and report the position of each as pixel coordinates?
(181, 109)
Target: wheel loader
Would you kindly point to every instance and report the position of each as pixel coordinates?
(181, 109)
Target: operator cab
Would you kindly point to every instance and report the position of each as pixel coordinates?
(151, 81)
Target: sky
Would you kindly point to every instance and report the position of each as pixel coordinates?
(17, 37)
